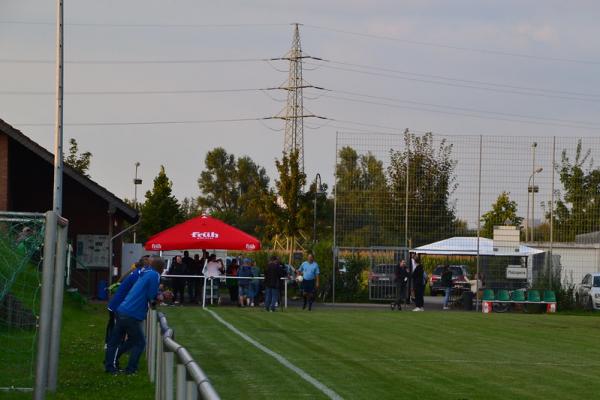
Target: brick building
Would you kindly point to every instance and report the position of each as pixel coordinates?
(26, 181)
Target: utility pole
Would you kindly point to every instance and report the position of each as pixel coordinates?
(293, 114)
(58, 128)
(136, 182)
(294, 122)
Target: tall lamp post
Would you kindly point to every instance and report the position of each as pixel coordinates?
(531, 188)
(136, 182)
(317, 191)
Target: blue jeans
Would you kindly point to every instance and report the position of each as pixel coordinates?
(135, 343)
(447, 292)
(271, 298)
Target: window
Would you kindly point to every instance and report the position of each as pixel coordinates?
(597, 281)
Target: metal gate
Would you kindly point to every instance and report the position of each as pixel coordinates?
(383, 261)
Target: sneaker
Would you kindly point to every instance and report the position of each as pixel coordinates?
(446, 308)
(392, 306)
(416, 309)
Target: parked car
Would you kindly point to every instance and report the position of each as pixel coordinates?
(460, 277)
(588, 291)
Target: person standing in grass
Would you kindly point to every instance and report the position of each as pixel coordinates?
(178, 268)
(273, 275)
(401, 276)
(130, 315)
(310, 280)
(122, 289)
(446, 279)
(244, 273)
(419, 279)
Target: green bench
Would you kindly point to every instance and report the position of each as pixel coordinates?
(502, 298)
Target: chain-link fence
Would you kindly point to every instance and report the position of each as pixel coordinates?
(440, 192)
(21, 240)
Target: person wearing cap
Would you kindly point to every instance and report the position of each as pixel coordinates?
(310, 280)
(244, 272)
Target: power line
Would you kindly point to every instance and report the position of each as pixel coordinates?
(452, 47)
(502, 85)
(392, 99)
(115, 25)
(463, 114)
(133, 62)
(181, 122)
(452, 84)
(137, 92)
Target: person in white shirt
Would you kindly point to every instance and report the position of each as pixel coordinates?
(214, 268)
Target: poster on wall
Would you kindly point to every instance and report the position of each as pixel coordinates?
(92, 251)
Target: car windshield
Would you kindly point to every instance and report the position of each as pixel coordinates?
(597, 281)
(438, 271)
(456, 271)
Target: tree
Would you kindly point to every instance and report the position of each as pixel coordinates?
(503, 212)
(79, 162)
(578, 207)
(431, 183)
(362, 196)
(160, 209)
(233, 190)
(190, 208)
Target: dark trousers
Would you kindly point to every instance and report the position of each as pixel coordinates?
(134, 343)
(271, 297)
(233, 294)
(112, 316)
(178, 289)
(401, 297)
(419, 293)
(191, 285)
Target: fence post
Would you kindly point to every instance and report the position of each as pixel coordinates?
(204, 293)
(57, 304)
(211, 290)
(192, 390)
(153, 330)
(169, 357)
(181, 383)
(45, 307)
(285, 290)
(159, 370)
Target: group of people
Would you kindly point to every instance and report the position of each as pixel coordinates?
(415, 278)
(187, 268)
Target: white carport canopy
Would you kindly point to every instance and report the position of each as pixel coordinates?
(467, 246)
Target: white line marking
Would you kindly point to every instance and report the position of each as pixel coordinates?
(328, 392)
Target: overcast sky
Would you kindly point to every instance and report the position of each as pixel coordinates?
(517, 46)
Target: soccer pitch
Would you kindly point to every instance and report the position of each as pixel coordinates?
(380, 354)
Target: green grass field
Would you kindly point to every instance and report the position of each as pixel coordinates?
(379, 354)
(81, 373)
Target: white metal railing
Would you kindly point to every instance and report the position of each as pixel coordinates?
(171, 367)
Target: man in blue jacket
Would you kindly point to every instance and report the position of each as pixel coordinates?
(127, 282)
(130, 315)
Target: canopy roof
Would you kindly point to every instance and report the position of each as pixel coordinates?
(468, 246)
(202, 233)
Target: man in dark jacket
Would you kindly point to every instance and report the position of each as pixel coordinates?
(418, 281)
(189, 270)
(273, 274)
(178, 268)
(401, 276)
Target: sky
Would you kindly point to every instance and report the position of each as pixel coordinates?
(425, 64)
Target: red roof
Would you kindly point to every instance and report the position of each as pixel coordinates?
(202, 233)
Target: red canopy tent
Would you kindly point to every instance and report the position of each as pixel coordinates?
(202, 233)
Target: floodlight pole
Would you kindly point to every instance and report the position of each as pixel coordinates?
(478, 226)
(533, 172)
(317, 191)
(58, 128)
(136, 182)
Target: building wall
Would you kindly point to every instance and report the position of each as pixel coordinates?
(3, 172)
(576, 259)
(30, 186)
